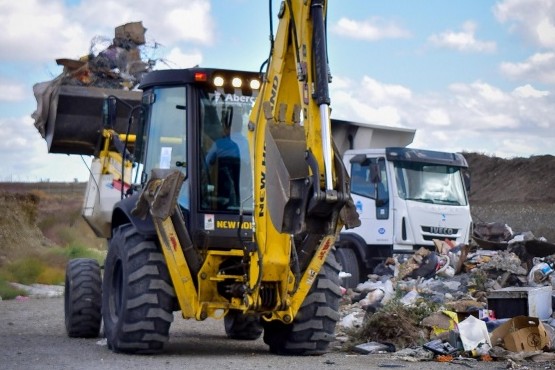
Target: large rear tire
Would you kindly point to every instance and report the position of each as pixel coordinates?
(349, 263)
(137, 294)
(241, 326)
(83, 298)
(314, 326)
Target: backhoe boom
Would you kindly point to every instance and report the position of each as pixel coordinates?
(300, 186)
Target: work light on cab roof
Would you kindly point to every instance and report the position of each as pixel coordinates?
(236, 82)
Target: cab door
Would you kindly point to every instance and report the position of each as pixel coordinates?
(370, 192)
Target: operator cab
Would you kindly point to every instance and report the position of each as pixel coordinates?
(195, 120)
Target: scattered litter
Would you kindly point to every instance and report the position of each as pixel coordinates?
(39, 291)
(539, 274)
(474, 335)
(413, 354)
(374, 347)
(477, 289)
(440, 347)
(344, 274)
(521, 334)
(521, 301)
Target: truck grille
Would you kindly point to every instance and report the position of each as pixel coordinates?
(435, 232)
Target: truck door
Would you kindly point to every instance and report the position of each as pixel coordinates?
(370, 192)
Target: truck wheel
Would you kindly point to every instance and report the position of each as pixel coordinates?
(137, 294)
(348, 261)
(82, 298)
(241, 326)
(314, 326)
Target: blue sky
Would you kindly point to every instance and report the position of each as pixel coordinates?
(468, 75)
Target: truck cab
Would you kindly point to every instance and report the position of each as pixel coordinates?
(406, 198)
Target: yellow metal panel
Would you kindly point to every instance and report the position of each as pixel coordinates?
(179, 271)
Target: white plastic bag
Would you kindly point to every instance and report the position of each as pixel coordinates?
(474, 335)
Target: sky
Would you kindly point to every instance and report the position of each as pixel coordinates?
(468, 75)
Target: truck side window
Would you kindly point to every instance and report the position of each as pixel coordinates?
(361, 179)
(361, 183)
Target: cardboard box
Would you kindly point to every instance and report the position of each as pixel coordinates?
(133, 31)
(521, 334)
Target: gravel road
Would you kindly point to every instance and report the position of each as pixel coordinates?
(32, 336)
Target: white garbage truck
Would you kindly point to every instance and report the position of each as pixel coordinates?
(405, 198)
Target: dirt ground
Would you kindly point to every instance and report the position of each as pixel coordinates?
(519, 192)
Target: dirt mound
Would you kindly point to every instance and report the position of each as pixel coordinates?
(517, 180)
(519, 192)
(19, 233)
(40, 215)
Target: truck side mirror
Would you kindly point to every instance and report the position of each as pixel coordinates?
(375, 176)
(466, 179)
(109, 112)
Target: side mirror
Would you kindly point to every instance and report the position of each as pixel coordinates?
(466, 179)
(375, 176)
(109, 112)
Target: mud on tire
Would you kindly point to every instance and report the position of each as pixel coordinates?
(314, 326)
(137, 294)
(82, 298)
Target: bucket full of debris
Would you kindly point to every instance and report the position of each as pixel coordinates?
(69, 108)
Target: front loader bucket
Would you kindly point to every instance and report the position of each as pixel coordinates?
(70, 118)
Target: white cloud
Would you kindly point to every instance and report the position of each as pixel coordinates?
(464, 40)
(519, 145)
(380, 92)
(34, 30)
(368, 101)
(534, 20)
(528, 91)
(371, 29)
(352, 109)
(472, 117)
(539, 67)
(12, 92)
(438, 117)
(167, 21)
(178, 59)
(488, 92)
(25, 156)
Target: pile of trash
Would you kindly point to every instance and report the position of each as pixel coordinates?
(119, 66)
(490, 300)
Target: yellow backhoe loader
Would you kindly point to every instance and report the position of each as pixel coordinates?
(237, 204)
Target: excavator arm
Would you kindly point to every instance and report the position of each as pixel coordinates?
(300, 184)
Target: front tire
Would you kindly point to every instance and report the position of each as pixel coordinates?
(314, 326)
(82, 298)
(137, 295)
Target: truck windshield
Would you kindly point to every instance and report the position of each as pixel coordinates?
(430, 183)
(226, 179)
